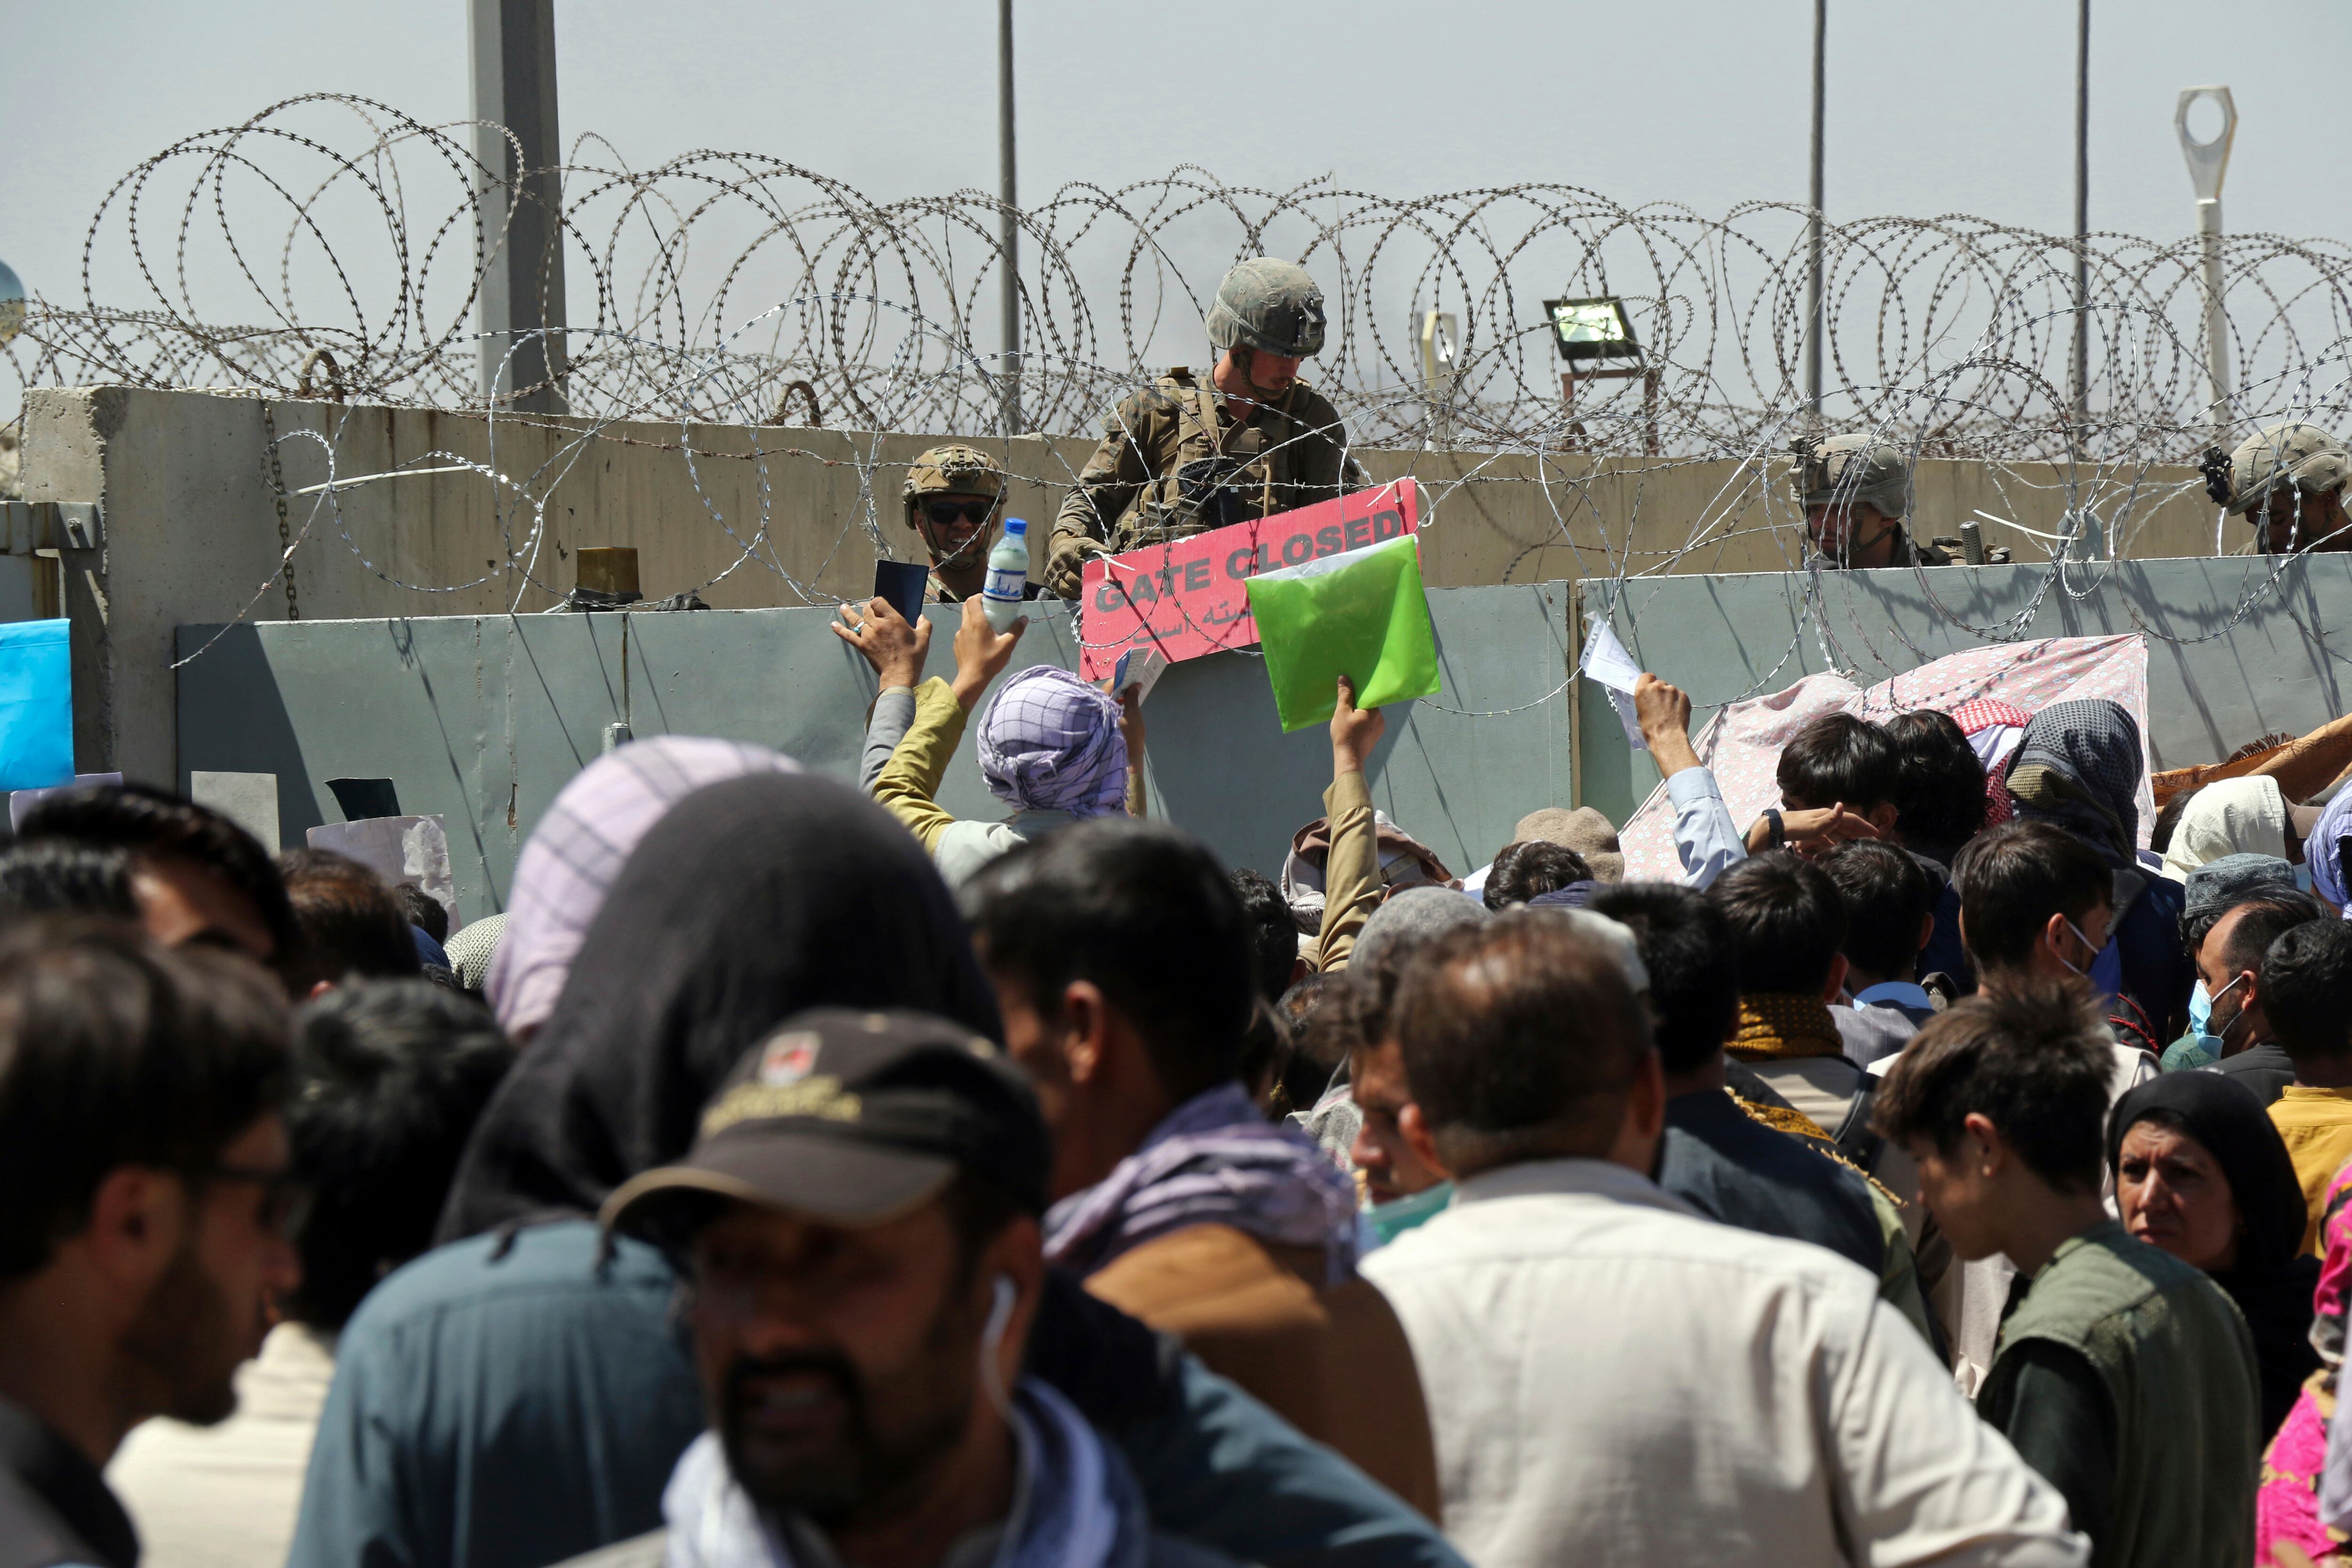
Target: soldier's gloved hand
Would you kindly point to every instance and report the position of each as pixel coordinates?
(1065, 568)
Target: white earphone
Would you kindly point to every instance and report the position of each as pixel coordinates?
(991, 1339)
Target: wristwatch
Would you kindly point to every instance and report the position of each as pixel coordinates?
(1779, 832)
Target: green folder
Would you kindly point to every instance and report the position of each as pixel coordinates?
(1361, 614)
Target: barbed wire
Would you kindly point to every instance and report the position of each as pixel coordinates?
(333, 245)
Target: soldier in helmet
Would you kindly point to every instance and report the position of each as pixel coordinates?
(955, 498)
(1856, 490)
(2289, 481)
(1184, 455)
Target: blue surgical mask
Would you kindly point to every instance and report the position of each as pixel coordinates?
(2085, 940)
(2200, 1009)
(2302, 878)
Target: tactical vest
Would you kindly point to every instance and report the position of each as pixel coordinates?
(2178, 1365)
(1207, 471)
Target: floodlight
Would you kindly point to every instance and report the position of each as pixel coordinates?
(12, 304)
(1598, 328)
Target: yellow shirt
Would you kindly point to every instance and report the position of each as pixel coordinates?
(2316, 1125)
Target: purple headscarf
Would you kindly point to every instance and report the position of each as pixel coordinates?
(2323, 852)
(1050, 741)
(1213, 1161)
(579, 846)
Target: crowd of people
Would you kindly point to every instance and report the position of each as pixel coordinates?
(795, 1173)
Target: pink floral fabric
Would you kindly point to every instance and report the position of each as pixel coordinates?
(1741, 744)
(2286, 1509)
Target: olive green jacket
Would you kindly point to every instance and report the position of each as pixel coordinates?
(1284, 454)
(2177, 1365)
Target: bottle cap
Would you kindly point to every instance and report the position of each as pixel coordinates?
(1016, 526)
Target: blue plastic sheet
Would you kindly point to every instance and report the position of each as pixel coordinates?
(35, 705)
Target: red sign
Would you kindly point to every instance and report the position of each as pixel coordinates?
(1190, 598)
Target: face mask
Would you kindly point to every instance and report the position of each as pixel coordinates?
(2303, 878)
(2085, 940)
(2200, 1009)
(2208, 1019)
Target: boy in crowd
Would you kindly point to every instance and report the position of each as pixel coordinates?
(2307, 988)
(1890, 914)
(2123, 1375)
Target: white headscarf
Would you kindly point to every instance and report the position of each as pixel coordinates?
(2235, 816)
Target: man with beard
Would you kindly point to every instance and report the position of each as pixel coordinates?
(145, 1235)
(1180, 457)
(858, 1224)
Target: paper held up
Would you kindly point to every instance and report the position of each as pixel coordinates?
(399, 849)
(1607, 664)
(1361, 614)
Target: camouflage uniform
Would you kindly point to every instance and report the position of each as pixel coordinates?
(1174, 463)
(1174, 459)
(1861, 470)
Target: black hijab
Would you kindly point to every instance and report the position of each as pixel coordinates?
(749, 902)
(2273, 1279)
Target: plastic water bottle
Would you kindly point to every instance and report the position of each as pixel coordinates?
(1008, 575)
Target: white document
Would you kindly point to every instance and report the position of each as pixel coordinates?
(399, 849)
(1607, 662)
(1140, 667)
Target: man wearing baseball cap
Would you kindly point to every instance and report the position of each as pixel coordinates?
(857, 1222)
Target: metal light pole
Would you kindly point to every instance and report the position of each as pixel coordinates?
(1008, 217)
(2207, 162)
(513, 44)
(2081, 378)
(1814, 325)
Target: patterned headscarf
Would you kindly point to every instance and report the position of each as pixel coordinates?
(2324, 852)
(1985, 721)
(2078, 768)
(1050, 741)
(579, 847)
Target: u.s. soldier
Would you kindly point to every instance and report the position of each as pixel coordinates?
(1180, 457)
(955, 502)
(1856, 492)
(2287, 480)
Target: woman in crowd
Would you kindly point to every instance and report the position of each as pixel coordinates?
(2200, 1171)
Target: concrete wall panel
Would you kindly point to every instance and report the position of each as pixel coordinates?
(484, 718)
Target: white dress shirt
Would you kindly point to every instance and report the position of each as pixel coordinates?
(1614, 1379)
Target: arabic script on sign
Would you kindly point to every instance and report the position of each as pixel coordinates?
(1190, 596)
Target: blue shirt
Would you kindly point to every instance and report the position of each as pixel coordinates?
(1705, 836)
(500, 1411)
(1735, 1170)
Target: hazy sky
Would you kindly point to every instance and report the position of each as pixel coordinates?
(1933, 108)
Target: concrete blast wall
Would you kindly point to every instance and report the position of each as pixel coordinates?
(192, 528)
(484, 718)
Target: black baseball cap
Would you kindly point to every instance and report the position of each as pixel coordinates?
(852, 1118)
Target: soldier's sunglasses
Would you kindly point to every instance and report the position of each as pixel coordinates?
(943, 513)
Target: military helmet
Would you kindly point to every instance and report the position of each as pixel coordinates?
(2303, 455)
(951, 470)
(1850, 471)
(1270, 304)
